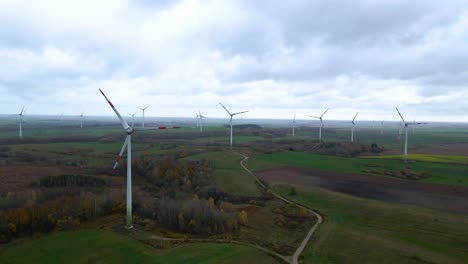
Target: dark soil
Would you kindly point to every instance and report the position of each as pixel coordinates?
(434, 196)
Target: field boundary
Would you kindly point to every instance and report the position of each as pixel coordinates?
(301, 248)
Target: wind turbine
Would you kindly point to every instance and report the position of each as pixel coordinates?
(81, 119)
(230, 120)
(352, 128)
(406, 133)
(133, 117)
(294, 125)
(21, 122)
(381, 127)
(143, 110)
(200, 116)
(321, 123)
(127, 144)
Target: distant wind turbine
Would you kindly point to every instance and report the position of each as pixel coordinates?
(321, 123)
(230, 120)
(197, 118)
(406, 133)
(81, 120)
(143, 111)
(381, 127)
(133, 117)
(294, 125)
(352, 127)
(200, 116)
(21, 114)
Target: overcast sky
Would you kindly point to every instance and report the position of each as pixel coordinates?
(274, 58)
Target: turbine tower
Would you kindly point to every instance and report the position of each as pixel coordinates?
(352, 128)
(143, 111)
(133, 117)
(197, 118)
(321, 123)
(21, 114)
(200, 116)
(381, 127)
(81, 120)
(406, 133)
(230, 120)
(294, 125)
(127, 144)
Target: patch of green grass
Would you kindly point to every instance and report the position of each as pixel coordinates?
(97, 246)
(358, 230)
(227, 172)
(440, 173)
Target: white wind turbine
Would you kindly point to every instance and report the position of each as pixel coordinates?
(143, 111)
(200, 116)
(197, 118)
(127, 144)
(321, 123)
(352, 127)
(81, 120)
(133, 117)
(230, 120)
(21, 114)
(406, 133)
(294, 125)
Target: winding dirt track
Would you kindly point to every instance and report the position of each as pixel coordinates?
(299, 250)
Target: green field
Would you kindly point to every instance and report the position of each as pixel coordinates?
(360, 230)
(452, 159)
(228, 174)
(440, 173)
(96, 246)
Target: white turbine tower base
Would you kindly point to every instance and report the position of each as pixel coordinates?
(230, 120)
(127, 144)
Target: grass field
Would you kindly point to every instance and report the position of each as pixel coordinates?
(440, 173)
(360, 230)
(96, 246)
(228, 174)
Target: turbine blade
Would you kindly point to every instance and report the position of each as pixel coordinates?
(314, 117)
(355, 116)
(324, 112)
(225, 108)
(124, 123)
(239, 113)
(294, 119)
(400, 115)
(119, 156)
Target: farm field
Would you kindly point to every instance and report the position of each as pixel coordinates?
(438, 172)
(358, 230)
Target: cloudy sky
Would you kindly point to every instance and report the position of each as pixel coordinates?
(274, 58)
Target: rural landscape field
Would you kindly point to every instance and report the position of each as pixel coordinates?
(206, 131)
